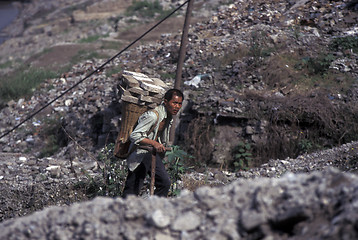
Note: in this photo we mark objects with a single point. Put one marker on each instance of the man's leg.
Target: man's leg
(134, 181)
(162, 179)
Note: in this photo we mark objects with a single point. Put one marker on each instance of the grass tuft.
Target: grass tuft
(23, 83)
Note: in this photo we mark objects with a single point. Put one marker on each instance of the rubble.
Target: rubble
(88, 117)
(317, 205)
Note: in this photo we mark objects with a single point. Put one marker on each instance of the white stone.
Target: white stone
(54, 170)
(68, 102)
(159, 219)
(23, 159)
(186, 222)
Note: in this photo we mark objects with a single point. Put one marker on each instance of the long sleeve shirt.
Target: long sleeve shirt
(145, 123)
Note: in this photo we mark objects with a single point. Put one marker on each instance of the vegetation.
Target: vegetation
(307, 74)
(23, 83)
(6, 64)
(114, 173)
(113, 70)
(92, 39)
(111, 45)
(176, 167)
(84, 55)
(50, 131)
(258, 48)
(318, 65)
(242, 156)
(111, 182)
(345, 43)
(305, 146)
(146, 9)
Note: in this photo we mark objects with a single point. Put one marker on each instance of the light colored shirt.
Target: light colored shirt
(145, 123)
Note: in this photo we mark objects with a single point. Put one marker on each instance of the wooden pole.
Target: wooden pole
(154, 163)
(184, 41)
(152, 175)
(182, 53)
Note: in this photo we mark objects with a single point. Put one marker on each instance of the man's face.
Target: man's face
(173, 106)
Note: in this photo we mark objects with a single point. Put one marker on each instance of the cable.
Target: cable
(93, 72)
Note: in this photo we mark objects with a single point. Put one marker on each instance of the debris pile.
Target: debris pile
(318, 205)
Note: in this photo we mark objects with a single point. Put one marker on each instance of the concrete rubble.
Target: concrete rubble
(319, 205)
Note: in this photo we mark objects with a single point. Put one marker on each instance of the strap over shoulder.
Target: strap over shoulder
(156, 123)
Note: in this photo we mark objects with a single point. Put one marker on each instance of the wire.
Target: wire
(94, 71)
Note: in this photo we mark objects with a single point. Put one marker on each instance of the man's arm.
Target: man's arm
(158, 146)
(139, 135)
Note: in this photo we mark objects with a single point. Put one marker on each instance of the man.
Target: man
(140, 161)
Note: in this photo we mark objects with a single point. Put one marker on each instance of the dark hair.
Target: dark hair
(173, 92)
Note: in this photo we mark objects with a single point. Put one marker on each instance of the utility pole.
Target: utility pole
(184, 42)
(182, 53)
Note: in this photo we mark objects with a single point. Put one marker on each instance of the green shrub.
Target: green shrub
(320, 64)
(167, 75)
(23, 83)
(114, 172)
(305, 146)
(176, 167)
(91, 39)
(316, 65)
(6, 64)
(345, 43)
(145, 9)
(296, 31)
(258, 48)
(51, 132)
(111, 45)
(113, 70)
(111, 182)
(83, 55)
(242, 156)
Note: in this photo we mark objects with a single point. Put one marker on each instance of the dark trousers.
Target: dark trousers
(135, 179)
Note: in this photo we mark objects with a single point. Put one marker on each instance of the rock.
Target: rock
(186, 222)
(269, 208)
(159, 219)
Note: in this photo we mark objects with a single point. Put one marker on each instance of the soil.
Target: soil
(60, 55)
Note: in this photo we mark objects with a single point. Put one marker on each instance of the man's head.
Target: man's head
(173, 100)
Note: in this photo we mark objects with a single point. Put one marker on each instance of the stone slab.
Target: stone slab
(130, 99)
(159, 82)
(150, 99)
(152, 88)
(138, 90)
(136, 74)
(130, 81)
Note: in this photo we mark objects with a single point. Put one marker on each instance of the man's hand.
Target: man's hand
(158, 147)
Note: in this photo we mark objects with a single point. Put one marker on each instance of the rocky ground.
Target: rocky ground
(88, 117)
(319, 205)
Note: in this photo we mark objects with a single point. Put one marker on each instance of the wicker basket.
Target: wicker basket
(130, 115)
